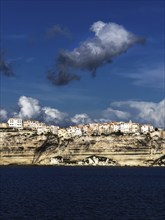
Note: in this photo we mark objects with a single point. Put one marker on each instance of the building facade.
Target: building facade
(15, 123)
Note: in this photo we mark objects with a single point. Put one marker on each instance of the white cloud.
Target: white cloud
(101, 120)
(29, 107)
(3, 115)
(53, 115)
(113, 114)
(137, 111)
(109, 41)
(140, 111)
(81, 119)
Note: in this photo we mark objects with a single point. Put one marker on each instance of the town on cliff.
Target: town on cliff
(94, 129)
(109, 143)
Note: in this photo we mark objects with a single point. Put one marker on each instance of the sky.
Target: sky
(72, 62)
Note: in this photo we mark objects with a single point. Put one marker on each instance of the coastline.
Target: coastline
(117, 149)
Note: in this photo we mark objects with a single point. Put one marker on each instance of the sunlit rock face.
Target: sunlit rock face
(97, 161)
(82, 148)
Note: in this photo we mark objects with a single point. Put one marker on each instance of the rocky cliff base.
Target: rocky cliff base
(26, 147)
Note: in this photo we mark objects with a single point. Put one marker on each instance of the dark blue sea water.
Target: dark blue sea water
(82, 193)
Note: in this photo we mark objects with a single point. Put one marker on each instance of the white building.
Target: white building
(135, 128)
(15, 123)
(34, 125)
(129, 127)
(74, 131)
(115, 126)
(104, 129)
(125, 127)
(85, 129)
(94, 128)
(146, 128)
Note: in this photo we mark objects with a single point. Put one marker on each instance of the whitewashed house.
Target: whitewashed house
(74, 131)
(43, 129)
(94, 128)
(30, 124)
(15, 123)
(85, 130)
(146, 128)
(135, 127)
(115, 126)
(129, 127)
(125, 127)
(34, 125)
(104, 129)
(78, 132)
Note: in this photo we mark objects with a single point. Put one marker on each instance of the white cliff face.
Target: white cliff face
(56, 160)
(97, 161)
(93, 144)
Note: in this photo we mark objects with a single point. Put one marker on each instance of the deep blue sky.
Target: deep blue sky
(136, 75)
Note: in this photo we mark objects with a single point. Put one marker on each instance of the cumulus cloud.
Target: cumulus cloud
(29, 107)
(57, 30)
(3, 115)
(140, 111)
(81, 119)
(5, 67)
(110, 40)
(115, 114)
(137, 111)
(53, 115)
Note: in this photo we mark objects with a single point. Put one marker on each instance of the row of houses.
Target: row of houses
(79, 130)
(40, 127)
(97, 129)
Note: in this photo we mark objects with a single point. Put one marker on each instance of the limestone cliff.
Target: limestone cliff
(28, 147)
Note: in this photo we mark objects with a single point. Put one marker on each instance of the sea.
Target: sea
(82, 193)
